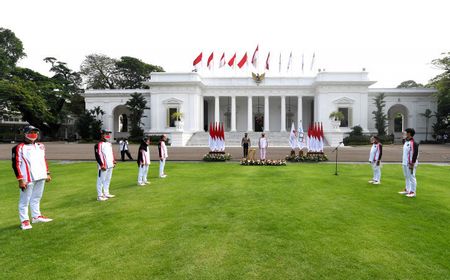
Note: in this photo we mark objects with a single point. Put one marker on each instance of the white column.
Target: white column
(283, 113)
(266, 113)
(299, 110)
(250, 113)
(233, 113)
(216, 109)
(202, 114)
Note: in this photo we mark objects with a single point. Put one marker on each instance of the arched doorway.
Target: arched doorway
(121, 122)
(397, 121)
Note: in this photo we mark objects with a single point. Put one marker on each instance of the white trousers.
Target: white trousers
(103, 180)
(142, 175)
(376, 171)
(32, 197)
(410, 178)
(262, 153)
(162, 163)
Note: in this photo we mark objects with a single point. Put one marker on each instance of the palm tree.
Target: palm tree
(427, 116)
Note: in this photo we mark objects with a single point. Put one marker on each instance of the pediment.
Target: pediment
(172, 101)
(344, 100)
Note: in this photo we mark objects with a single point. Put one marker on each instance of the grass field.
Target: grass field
(224, 221)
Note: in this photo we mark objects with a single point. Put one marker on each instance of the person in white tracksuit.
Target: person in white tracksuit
(143, 161)
(162, 151)
(105, 162)
(376, 152)
(409, 163)
(263, 144)
(31, 170)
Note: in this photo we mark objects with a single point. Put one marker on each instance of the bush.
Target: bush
(365, 139)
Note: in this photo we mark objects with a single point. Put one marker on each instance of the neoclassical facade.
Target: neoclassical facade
(244, 104)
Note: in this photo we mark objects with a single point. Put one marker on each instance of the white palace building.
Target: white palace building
(271, 104)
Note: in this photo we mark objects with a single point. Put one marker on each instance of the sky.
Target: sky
(393, 40)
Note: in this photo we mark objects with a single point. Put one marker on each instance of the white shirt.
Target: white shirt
(105, 155)
(30, 162)
(263, 142)
(374, 153)
(145, 156)
(408, 151)
(163, 150)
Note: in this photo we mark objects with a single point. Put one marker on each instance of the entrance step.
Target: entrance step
(233, 139)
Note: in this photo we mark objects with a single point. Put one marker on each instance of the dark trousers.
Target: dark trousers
(122, 154)
(245, 150)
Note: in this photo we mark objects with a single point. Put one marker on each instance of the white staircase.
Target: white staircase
(233, 139)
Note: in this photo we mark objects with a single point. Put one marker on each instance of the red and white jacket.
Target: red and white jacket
(29, 162)
(104, 155)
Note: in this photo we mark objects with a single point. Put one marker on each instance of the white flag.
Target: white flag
(301, 136)
(293, 137)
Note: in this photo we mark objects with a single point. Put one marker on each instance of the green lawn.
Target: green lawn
(224, 221)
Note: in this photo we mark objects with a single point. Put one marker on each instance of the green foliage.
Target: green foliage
(339, 116)
(133, 72)
(409, 84)
(355, 140)
(11, 50)
(427, 115)
(103, 72)
(442, 83)
(177, 116)
(137, 105)
(379, 116)
(356, 131)
(89, 123)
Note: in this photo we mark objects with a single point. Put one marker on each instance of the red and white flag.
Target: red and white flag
(222, 61)
(243, 61)
(232, 60)
(210, 63)
(255, 57)
(268, 61)
(197, 61)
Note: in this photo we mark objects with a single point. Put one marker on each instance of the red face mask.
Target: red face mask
(108, 137)
(31, 136)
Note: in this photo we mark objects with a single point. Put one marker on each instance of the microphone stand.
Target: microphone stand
(336, 150)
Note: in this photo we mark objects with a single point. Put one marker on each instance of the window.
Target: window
(347, 121)
(123, 123)
(398, 123)
(170, 120)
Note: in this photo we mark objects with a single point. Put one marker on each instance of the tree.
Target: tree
(442, 83)
(428, 115)
(136, 104)
(379, 115)
(409, 84)
(100, 72)
(133, 72)
(11, 50)
(89, 123)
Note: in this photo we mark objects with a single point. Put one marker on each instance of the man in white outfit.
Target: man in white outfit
(409, 163)
(375, 155)
(162, 151)
(31, 170)
(106, 162)
(143, 162)
(263, 144)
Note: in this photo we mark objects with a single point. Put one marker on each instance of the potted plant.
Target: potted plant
(336, 117)
(177, 116)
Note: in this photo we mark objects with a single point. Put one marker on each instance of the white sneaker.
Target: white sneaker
(371, 181)
(41, 219)
(141, 184)
(25, 225)
(109, 195)
(376, 182)
(102, 198)
(411, 194)
(147, 183)
(163, 176)
(403, 192)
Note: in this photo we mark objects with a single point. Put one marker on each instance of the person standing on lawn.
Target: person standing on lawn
(409, 163)
(375, 159)
(162, 150)
(143, 161)
(123, 147)
(31, 170)
(105, 162)
(263, 144)
(245, 143)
